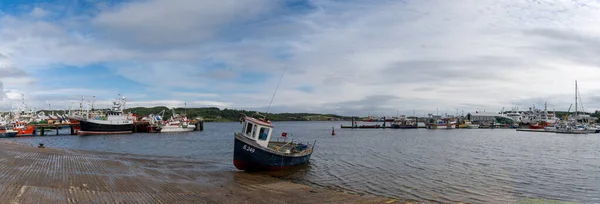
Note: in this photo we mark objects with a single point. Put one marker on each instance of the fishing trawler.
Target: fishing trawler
(254, 151)
(536, 118)
(6, 131)
(23, 128)
(113, 121)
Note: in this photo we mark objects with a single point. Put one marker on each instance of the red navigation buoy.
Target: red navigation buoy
(332, 131)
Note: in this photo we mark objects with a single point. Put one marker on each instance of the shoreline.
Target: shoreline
(56, 175)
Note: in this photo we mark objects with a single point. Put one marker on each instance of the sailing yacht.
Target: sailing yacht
(578, 123)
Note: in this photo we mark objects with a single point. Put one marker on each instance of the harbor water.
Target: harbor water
(459, 165)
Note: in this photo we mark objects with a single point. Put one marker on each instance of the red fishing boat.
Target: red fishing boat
(23, 129)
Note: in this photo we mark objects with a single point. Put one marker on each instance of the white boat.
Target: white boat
(534, 115)
(551, 128)
(177, 123)
(470, 125)
(515, 114)
(177, 126)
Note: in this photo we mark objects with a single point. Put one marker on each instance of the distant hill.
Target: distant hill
(227, 115)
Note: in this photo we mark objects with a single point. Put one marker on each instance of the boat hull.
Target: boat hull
(8, 134)
(28, 130)
(251, 157)
(444, 126)
(472, 126)
(91, 128)
(178, 129)
(403, 126)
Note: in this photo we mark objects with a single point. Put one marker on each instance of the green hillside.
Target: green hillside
(225, 115)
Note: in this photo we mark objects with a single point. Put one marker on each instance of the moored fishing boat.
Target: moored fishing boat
(470, 125)
(6, 131)
(177, 123)
(444, 125)
(538, 125)
(113, 121)
(177, 126)
(403, 123)
(254, 151)
(23, 129)
(9, 133)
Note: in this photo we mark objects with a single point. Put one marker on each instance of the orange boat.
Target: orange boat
(23, 129)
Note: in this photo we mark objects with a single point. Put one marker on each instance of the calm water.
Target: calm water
(476, 166)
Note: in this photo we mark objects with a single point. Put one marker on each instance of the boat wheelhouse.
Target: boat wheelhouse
(254, 151)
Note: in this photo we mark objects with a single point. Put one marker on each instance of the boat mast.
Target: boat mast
(576, 111)
(275, 92)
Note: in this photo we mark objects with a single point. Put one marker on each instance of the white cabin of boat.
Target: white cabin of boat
(257, 130)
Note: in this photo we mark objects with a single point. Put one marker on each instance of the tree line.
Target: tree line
(227, 115)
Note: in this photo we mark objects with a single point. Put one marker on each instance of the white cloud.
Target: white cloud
(38, 12)
(2, 92)
(356, 57)
(167, 23)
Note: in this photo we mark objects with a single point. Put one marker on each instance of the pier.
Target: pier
(534, 130)
(42, 127)
(48, 175)
(138, 127)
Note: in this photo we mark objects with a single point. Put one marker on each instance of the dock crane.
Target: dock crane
(568, 111)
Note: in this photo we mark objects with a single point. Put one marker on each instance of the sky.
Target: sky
(344, 57)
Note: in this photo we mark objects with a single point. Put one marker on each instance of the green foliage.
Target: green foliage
(226, 115)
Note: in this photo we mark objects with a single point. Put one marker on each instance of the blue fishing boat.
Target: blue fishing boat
(8, 133)
(253, 150)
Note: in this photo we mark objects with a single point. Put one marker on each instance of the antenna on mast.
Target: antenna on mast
(276, 88)
(93, 100)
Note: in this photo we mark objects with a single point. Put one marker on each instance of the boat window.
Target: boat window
(254, 131)
(264, 132)
(248, 128)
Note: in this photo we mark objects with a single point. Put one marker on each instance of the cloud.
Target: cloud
(345, 57)
(2, 92)
(577, 46)
(165, 23)
(7, 72)
(38, 12)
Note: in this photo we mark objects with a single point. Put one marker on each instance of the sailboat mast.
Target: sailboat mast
(576, 111)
